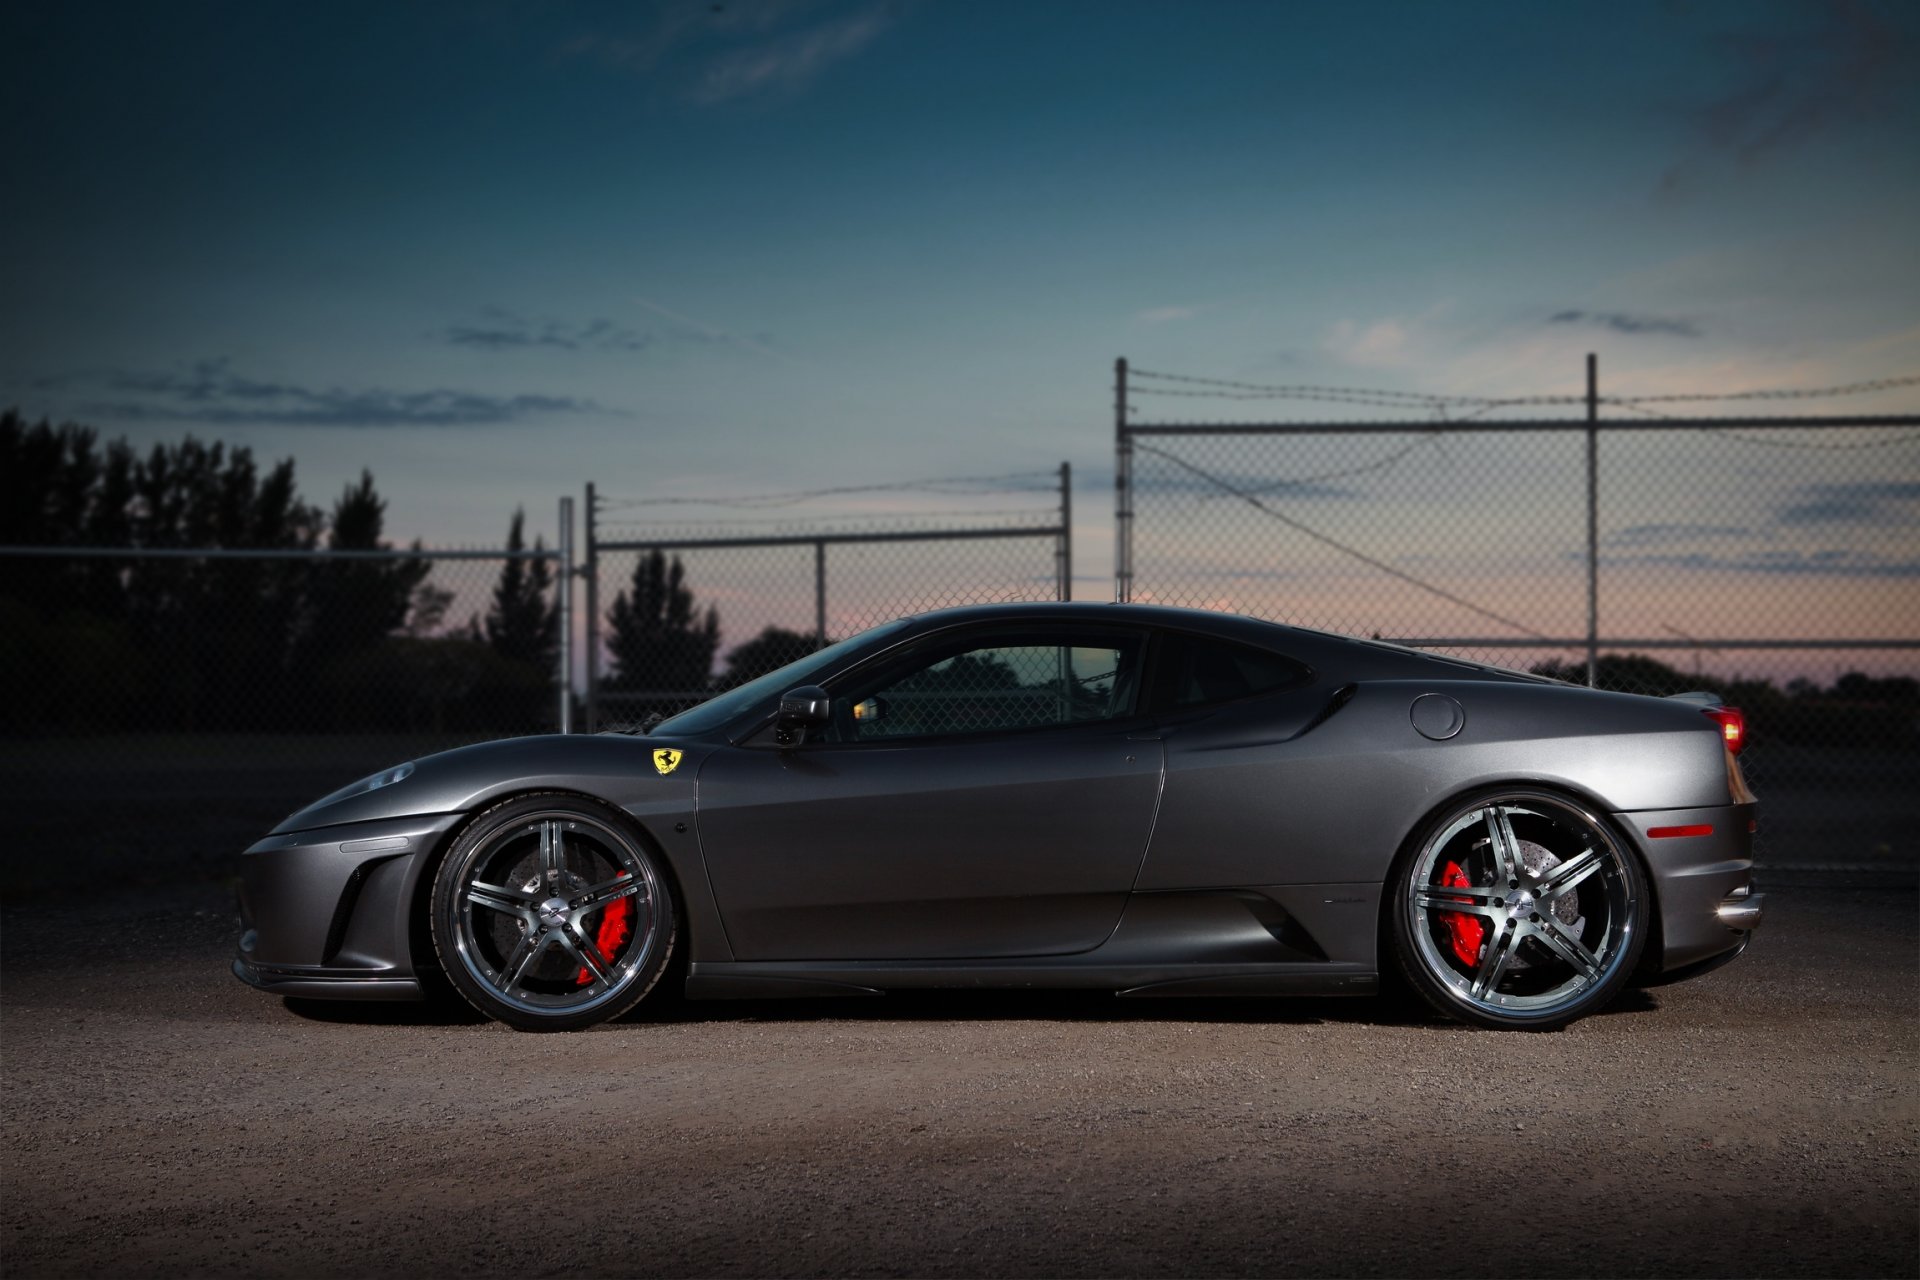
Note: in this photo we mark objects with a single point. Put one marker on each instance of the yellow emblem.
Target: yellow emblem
(666, 759)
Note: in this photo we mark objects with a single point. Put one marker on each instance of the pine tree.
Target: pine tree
(354, 604)
(523, 625)
(655, 637)
(772, 649)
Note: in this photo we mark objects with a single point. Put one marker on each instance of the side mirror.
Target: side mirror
(801, 709)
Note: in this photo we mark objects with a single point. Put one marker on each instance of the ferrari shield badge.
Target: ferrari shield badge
(666, 759)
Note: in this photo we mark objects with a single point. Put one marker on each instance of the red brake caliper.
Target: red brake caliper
(616, 924)
(1467, 931)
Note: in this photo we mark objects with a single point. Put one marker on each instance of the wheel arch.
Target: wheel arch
(426, 963)
(1584, 797)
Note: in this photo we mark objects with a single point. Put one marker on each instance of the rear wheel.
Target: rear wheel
(1519, 909)
(548, 914)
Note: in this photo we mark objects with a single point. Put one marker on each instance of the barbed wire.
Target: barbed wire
(1229, 389)
(1253, 500)
(1778, 393)
(942, 485)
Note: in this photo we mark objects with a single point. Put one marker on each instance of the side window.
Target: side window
(1196, 671)
(1005, 684)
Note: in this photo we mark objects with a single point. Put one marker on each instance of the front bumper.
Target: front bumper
(1701, 862)
(324, 984)
(328, 913)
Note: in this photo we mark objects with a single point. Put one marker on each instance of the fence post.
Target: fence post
(1593, 520)
(1122, 488)
(1066, 531)
(820, 592)
(565, 601)
(593, 617)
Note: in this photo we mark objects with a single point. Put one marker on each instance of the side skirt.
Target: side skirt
(773, 980)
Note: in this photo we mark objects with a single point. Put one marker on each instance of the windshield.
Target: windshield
(718, 710)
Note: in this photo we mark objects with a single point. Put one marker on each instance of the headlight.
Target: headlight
(385, 778)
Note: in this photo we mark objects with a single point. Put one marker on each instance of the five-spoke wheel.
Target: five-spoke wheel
(548, 914)
(1519, 909)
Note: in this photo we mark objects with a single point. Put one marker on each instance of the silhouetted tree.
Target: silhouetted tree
(523, 625)
(772, 649)
(655, 637)
(352, 605)
(1630, 673)
(204, 642)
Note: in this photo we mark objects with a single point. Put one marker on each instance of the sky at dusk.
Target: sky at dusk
(493, 250)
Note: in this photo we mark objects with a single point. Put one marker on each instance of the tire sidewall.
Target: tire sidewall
(1438, 994)
(443, 911)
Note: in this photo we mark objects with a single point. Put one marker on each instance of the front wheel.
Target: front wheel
(548, 914)
(1519, 909)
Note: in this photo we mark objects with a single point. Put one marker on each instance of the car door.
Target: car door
(986, 794)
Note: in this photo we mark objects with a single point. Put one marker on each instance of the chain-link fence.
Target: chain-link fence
(1773, 560)
(683, 602)
(150, 697)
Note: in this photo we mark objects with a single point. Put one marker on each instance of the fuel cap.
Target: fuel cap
(1437, 716)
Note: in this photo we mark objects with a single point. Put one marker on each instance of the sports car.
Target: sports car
(1126, 798)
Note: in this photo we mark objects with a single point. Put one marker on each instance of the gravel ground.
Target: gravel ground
(162, 1119)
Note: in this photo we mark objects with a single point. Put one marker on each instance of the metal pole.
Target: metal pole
(1593, 520)
(1066, 531)
(564, 593)
(593, 617)
(820, 592)
(1122, 488)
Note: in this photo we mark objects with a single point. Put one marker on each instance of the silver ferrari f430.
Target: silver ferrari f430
(1124, 798)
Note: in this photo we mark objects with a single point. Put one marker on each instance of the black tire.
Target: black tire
(1518, 909)
(550, 913)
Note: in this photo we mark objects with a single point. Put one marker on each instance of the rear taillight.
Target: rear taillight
(1733, 726)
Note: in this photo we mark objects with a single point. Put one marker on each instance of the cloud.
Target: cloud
(1877, 502)
(503, 331)
(671, 24)
(736, 50)
(1833, 561)
(689, 328)
(1651, 535)
(209, 392)
(1798, 85)
(790, 62)
(1626, 322)
(1382, 343)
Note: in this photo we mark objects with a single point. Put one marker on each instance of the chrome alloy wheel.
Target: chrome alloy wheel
(1520, 909)
(554, 916)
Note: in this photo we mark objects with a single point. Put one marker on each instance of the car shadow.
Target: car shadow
(1394, 1009)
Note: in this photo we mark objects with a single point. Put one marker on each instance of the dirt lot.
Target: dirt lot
(162, 1119)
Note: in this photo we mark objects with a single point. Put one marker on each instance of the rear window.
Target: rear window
(1196, 671)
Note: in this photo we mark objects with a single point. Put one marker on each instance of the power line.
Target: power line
(1253, 501)
(1425, 438)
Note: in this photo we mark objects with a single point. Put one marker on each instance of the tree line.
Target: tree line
(270, 644)
(368, 645)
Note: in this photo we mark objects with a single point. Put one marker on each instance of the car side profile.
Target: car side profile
(1128, 798)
